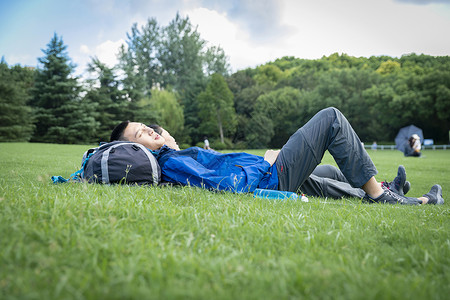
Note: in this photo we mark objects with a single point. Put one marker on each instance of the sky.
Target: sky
(251, 32)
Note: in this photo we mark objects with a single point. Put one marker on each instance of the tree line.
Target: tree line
(170, 76)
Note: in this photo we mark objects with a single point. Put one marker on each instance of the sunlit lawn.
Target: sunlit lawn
(80, 241)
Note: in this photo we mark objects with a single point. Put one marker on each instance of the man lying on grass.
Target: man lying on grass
(318, 183)
(288, 169)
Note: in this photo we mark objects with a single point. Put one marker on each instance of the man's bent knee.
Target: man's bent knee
(332, 111)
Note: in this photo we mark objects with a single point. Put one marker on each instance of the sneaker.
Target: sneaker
(391, 197)
(399, 182)
(435, 195)
(406, 187)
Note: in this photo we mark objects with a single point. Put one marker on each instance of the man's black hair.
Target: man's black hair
(117, 133)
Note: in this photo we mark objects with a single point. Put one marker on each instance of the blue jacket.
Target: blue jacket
(234, 172)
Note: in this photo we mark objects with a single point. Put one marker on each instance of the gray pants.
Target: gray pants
(328, 181)
(303, 152)
(410, 152)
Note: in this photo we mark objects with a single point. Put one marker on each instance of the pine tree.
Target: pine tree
(61, 117)
(181, 57)
(15, 116)
(106, 95)
(132, 83)
(172, 58)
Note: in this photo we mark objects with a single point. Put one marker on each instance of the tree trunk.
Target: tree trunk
(219, 122)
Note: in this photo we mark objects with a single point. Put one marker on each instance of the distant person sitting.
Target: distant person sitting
(206, 146)
(414, 146)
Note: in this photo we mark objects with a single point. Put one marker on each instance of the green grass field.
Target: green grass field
(80, 241)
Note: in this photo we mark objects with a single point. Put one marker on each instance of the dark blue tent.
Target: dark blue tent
(401, 140)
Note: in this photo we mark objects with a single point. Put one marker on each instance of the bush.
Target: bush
(200, 144)
(184, 146)
(218, 145)
(241, 145)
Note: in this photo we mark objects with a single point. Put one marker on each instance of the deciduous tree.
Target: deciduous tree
(217, 111)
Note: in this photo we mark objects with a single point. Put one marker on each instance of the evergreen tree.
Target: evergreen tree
(133, 83)
(60, 115)
(216, 61)
(181, 57)
(172, 58)
(141, 60)
(15, 116)
(108, 98)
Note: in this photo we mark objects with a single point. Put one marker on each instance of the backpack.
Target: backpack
(120, 162)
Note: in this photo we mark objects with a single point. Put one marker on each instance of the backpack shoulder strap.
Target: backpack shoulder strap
(153, 163)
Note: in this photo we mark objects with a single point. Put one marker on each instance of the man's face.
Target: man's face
(139, 133)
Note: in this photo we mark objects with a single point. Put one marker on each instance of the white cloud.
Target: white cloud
(422, 2)
(107, 52)
(322, 27)
(84, 49)
(361, 28)
(20, 59)
(260, 19)
(252, 35)
(251, 32)
(218, 30)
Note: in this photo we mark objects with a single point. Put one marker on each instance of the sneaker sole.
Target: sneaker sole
(440, 199)
(437, 194)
